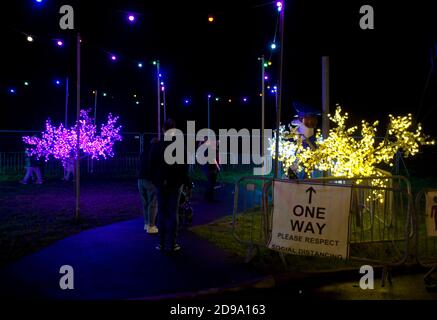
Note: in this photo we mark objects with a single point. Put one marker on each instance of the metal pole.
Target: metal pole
(165, 105)
(278, 113)
(159, 99)
(78, 131)
(209, 122)
(66, 102)
(95, 107)
(325, 96)
(263, 91)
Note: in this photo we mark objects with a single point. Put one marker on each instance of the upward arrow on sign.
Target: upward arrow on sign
(310, 190)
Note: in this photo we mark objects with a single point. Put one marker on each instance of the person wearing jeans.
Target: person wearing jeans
(149, 200)
(168, 202)
(148, 191)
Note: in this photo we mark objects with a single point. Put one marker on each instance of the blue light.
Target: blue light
(186, 101)
(39, 1)
(12, 90)
(279, 5)
(244, 99)
(140, 65)
(57, 82)
(273, 46)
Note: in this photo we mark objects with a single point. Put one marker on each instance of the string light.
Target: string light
(113, 58)
(131, 18)
(140, 65)
(279, 6)
(273, 46)
(26, 83)
(59, 43)
(210, 19)
(29, 39)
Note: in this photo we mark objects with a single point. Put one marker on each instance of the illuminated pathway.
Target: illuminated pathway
(119, 261)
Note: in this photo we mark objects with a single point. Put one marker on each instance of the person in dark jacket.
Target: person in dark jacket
(169, 180)
(148, 191)
(32, 167)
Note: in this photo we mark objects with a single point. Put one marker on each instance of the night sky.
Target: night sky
(373, 72)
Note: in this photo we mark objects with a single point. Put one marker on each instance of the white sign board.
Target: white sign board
(431, 214)
(311, 220)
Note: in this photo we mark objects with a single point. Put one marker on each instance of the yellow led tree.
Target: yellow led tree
(343, 155)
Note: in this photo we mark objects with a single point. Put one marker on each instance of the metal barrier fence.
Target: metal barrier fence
(13, 163)
(379, 232)
(425, 246)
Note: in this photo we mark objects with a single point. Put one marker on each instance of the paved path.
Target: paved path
(119, 261)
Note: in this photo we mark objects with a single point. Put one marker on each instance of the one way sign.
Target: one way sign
(311, 219)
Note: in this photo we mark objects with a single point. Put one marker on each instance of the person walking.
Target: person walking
(32, 167)
(148, 192)
(169, 180)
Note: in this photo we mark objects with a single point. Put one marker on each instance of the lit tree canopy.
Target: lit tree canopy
(61, 143)
(345, 156)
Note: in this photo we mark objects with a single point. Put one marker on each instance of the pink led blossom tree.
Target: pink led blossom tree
(61, 143)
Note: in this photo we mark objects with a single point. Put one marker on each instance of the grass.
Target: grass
(226, 175)
(34, 216)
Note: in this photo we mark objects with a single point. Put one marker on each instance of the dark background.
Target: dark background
(373, 72)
